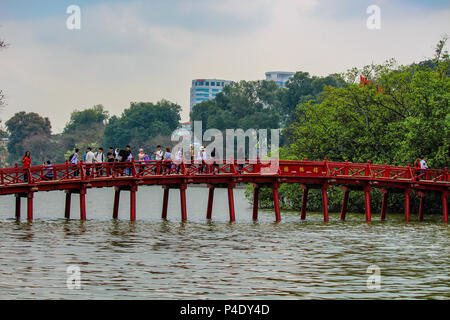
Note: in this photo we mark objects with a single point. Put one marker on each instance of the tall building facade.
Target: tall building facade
(206, 89)
(280, 77)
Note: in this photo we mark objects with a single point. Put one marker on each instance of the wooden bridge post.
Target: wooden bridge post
(324, 189)
(384, 203)
(231, 202)
(367, 190)
(165, 202)
(183, 202)
(18, 202)
(445, 206)
(407, 192)
(422, 196)
(116, 202)
(255, 201)
(83, 204)
(276, 202)
(133, 190)
(67, 206)
(30, 196)
(344, 202)
(210, 201)
(304, 202)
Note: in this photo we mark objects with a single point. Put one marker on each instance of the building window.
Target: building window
(222, 84)
(207, 83)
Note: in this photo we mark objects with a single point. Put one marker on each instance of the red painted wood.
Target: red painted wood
(165, 203)
(367, 203)
(304, 202)
(30, 206)
(18, 202)
(67, 206)
(116, 203)
(183, 202)
(344, 203)
(210, 203)
(384, 204)
(231, 204)
(445, 206)
(325, 203)
(276, 203)
(255, 201)
(422, 199)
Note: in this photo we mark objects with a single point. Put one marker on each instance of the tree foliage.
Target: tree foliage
(141, 122)
(25, 129)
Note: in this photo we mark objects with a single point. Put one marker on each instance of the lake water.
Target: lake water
(200, 259)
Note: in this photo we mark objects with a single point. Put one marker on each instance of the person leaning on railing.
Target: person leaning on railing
(424, 168)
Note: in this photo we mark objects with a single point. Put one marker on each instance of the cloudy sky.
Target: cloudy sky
(148, 50)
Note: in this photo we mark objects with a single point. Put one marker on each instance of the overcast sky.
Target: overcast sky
(148, 50)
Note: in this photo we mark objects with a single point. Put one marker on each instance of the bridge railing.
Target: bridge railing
(67, 172)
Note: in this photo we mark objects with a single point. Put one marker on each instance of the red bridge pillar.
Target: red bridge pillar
(344, 202)
(384, 204)
(445, 205)
(183, 202)
(304, 202)
(133, 190)
(422, 196)
(67, 206)
(324, 189)
(30, 196)
(276, 201)
(231, 202)
(18, 200)
(407, 192)
(367, 190)
(83, 204)
(116, 202)
(255, 201)
(210, 202)
(165, 202)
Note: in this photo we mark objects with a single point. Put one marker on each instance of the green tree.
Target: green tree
(26, 129)
(142, 122)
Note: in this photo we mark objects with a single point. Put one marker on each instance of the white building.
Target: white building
(205, 89)
(280, 77)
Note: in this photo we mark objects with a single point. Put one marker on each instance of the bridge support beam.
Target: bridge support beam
(231, 202)
(133, 190)
(276, 202)
(116, 202)
(183, 202)
(255, 201)
(324, 189)
(165, 202)
(367, 190)
(344, 202)
(210, 202)
(83, 204)
(67, 205)
(407, 192)
(304, 202)
(30, 196)
(421, 204)
(384, 204)
(445, 194)
(18, 200)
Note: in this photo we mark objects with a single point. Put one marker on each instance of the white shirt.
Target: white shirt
(74, 158)
(178, 155)
(90, 157)
(99, 157)
(159, 155)
(203, 155)
(423, 164)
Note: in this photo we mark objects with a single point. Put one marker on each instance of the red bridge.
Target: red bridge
(309, 174)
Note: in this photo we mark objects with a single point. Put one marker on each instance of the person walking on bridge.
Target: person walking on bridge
(424, 167)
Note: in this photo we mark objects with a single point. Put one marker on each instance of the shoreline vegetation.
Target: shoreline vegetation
(382, 113)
